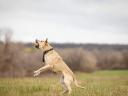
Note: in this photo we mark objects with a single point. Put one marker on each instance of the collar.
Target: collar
(44, 53)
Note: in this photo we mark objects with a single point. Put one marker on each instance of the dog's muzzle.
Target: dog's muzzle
(37, 45)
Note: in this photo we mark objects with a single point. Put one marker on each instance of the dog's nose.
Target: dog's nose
(37, 45)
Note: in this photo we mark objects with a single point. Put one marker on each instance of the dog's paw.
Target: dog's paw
(36, 73)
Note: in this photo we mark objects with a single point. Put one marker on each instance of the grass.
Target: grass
(100, 83)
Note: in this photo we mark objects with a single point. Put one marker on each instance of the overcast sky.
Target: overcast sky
(77, 21)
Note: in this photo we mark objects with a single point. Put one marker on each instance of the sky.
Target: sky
(66, 21)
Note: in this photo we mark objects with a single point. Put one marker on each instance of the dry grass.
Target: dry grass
(102, 83)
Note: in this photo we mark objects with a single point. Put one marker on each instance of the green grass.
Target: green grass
(100, 83)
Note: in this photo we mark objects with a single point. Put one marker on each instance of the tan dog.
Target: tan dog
(54, 62)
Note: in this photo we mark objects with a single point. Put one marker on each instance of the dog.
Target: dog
(54, 62)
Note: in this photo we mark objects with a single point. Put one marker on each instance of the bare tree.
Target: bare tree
(6, 55)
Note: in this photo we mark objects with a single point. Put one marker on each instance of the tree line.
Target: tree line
(21, 59)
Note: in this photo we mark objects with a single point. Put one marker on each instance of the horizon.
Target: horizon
(73, 43)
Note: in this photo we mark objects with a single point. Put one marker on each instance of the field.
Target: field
(100, 83)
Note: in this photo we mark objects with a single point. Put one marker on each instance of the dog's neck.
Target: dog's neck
(48, 49)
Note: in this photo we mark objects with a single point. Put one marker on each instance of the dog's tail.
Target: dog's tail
(77, 85)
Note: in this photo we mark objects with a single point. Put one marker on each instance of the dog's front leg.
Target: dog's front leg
(46, 67)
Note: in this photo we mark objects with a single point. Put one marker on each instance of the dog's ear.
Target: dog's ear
(36, 41)
(46, 41)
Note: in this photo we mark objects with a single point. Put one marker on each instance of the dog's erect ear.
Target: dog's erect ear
(36, 41)
(46, 41)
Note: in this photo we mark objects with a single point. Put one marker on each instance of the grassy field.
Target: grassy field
(101, 83)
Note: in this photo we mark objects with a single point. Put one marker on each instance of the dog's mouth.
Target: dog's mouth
(37, 46)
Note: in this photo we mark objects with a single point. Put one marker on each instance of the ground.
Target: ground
(100, 83)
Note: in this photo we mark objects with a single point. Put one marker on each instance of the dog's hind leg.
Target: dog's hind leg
(63, 85)
(67, 82)
(68, 85)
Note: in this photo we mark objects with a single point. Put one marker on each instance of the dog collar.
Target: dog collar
(45, 52)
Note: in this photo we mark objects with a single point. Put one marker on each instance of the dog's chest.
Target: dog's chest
(51, 58)
(48, 59)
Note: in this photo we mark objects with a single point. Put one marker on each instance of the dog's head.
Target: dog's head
(41, 44)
